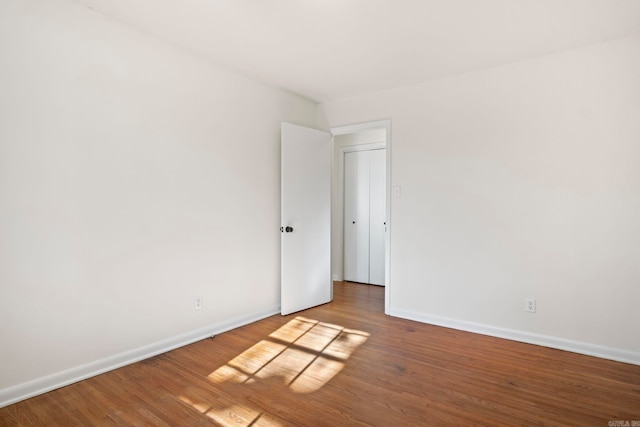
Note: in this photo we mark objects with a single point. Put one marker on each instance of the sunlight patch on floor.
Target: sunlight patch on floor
(234, 415)
(302, 355)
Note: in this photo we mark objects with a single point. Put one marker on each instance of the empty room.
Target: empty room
(320, 212)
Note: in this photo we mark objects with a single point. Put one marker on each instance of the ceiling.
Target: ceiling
(332, 49)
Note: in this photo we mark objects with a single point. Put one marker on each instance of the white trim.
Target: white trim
(387, 261)
(45, 384)
(345, 129)
(354, 128)
(362, 147)
(526, 337)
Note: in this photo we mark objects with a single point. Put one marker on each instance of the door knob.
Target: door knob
(288, 229)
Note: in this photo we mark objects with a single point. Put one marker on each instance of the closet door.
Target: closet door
(377, 215)
(365, 216)
(356, 216)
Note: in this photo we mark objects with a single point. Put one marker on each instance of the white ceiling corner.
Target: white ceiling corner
(332, 49)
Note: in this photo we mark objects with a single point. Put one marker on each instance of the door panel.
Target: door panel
(356, 217)
(362, 217)
(377, 215)
(350, 216)
(306, 210)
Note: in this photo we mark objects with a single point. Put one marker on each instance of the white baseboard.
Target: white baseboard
(522, 336)
(42, 385)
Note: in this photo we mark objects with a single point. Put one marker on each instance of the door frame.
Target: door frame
(355, 128)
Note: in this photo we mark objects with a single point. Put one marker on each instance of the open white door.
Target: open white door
(305, 218)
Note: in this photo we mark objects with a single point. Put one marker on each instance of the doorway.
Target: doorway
(347, 142)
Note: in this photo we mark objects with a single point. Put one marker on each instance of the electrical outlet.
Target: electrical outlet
(530, 305)
(197, 304)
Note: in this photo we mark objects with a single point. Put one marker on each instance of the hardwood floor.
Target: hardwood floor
(346, 363)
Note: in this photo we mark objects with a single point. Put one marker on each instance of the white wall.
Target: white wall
(368, 136)
(519, 181)
(133, 177)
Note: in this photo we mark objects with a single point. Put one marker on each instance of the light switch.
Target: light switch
(396, 191)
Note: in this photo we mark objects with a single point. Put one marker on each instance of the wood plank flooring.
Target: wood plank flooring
(346, 363)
